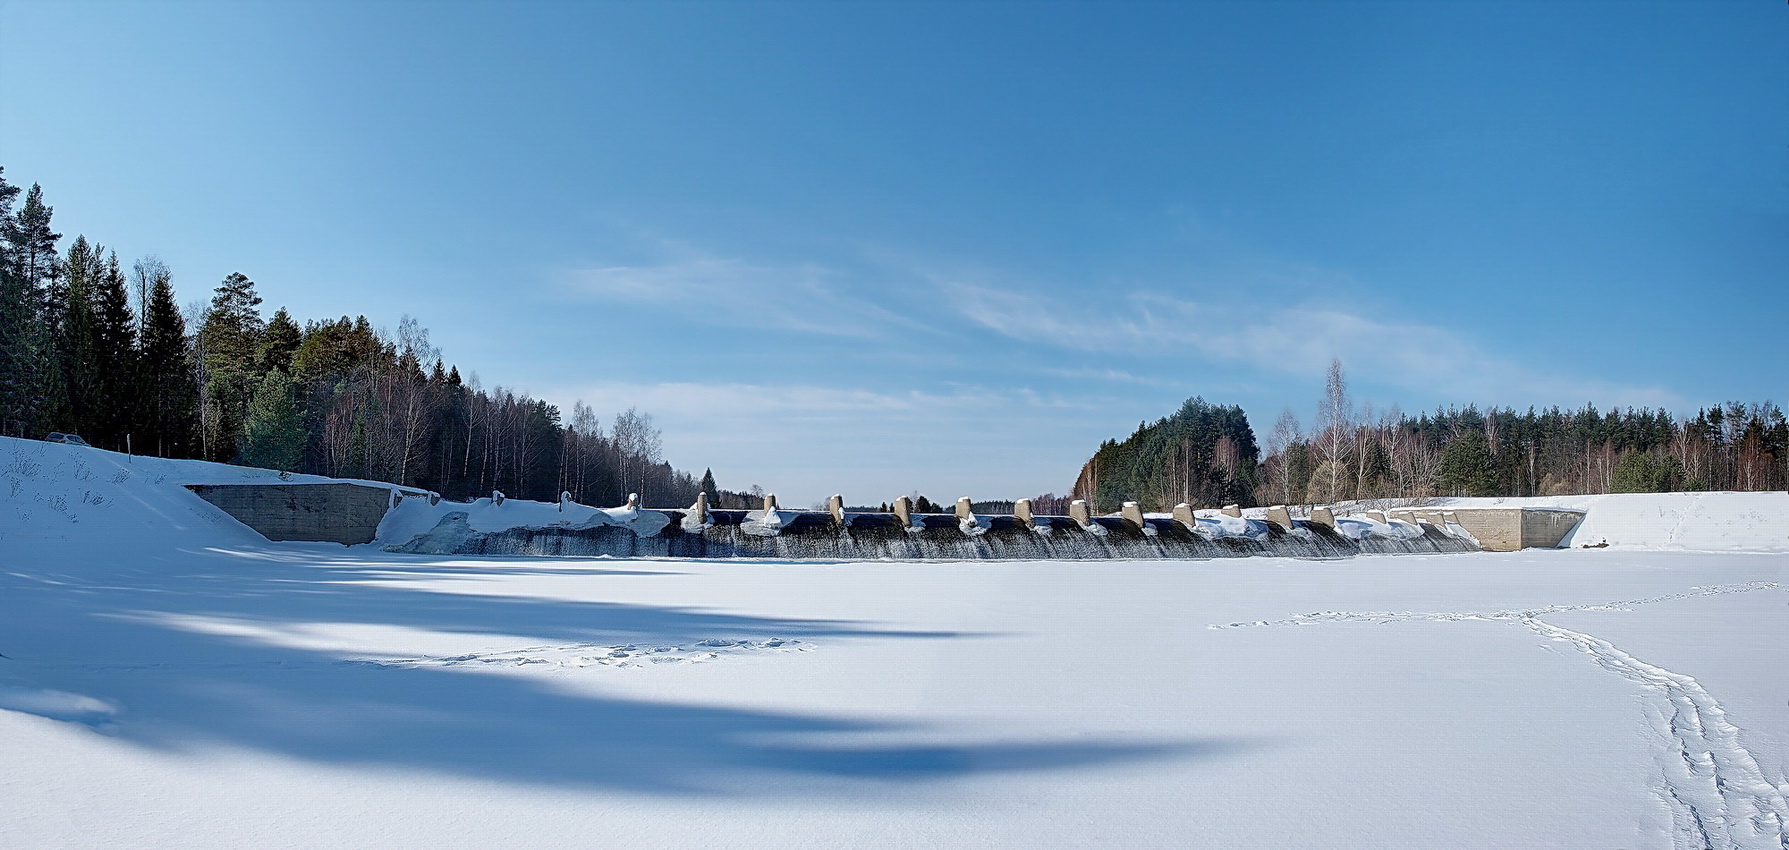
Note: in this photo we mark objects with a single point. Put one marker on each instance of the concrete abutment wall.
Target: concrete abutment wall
(331, 513)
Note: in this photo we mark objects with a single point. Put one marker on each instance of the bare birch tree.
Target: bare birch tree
(1336, 418)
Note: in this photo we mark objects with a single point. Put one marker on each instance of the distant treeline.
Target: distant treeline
(1203, 455)
(1206, 456)
(88, 348)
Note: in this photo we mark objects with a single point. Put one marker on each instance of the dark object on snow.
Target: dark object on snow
(70, 439)
(1600, 544)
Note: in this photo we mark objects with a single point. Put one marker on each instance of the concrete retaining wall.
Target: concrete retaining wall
(1508, 529)
(1546, 527)
(332, 513)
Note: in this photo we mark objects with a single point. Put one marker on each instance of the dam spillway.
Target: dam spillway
(419, 522)
(699, 532)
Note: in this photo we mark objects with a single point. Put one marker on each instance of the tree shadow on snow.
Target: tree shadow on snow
(169, 639)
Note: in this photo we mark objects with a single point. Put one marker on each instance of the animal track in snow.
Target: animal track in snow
(1718, 796)
(600, 655)
(1511, 616)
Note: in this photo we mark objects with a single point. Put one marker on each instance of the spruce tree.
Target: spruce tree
(1644, 472)
(115, 356)
(72, 402)
(171, 394)
(714, 495)
(1299, 468)
(279, 342)
(1466, 466)
(273, 431)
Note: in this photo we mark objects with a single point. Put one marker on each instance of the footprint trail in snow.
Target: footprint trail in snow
(1719, 797)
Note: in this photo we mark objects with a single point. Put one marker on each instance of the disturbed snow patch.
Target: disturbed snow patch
(599, 655)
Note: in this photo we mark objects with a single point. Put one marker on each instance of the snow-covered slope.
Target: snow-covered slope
(86, 496)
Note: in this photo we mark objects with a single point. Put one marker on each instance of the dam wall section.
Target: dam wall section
(332, 513)
(351, 513)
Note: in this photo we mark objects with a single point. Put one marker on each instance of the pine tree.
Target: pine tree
(229, 342)
(27, 370)
(8, 193)
(143, 274)
(273, 432)
(34, 256)
(714, 495)
(18, 323)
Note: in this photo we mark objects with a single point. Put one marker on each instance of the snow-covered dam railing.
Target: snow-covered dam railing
(838, 534)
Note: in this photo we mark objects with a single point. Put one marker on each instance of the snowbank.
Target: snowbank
(1695, 522)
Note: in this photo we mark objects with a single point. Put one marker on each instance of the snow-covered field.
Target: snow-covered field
(172, 680)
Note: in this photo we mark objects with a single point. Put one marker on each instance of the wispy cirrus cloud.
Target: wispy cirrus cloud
(1294, 338)
(800, 297)
(1110, 375)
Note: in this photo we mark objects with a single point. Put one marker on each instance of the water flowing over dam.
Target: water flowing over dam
(836, 534)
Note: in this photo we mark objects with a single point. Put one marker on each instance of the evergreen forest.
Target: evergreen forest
(91, 348)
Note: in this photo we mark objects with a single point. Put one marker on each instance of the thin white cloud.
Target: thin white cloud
(1117, 376)
(806, 297)
(1291, 339)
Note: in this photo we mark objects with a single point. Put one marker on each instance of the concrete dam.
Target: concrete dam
(818, 535)
(402, 520)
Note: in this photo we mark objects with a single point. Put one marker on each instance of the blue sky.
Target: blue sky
(948, 247)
